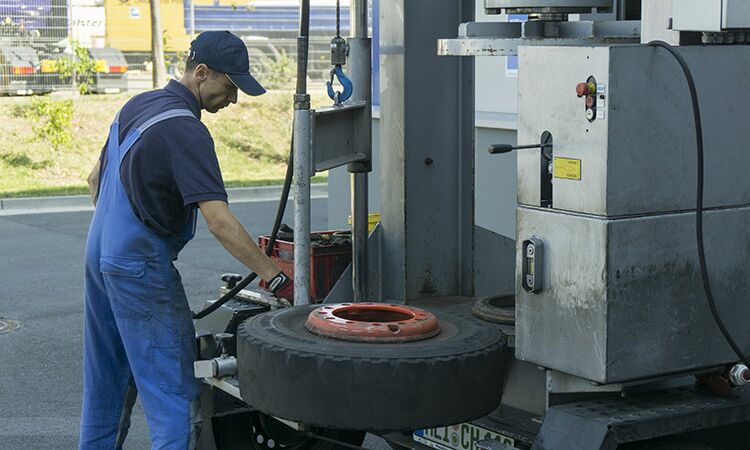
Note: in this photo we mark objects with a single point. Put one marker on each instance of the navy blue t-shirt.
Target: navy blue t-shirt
(173, 165)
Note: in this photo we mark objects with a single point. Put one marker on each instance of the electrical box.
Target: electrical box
(710, 15)
(617, 294)
(625, 145)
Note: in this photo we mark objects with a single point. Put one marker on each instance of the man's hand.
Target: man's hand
(282, 286)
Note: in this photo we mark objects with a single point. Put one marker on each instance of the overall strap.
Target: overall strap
(113, 143)
(134, 135)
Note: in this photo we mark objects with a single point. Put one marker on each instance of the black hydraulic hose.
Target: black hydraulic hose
(269, 248)
(699, 203)
(302, 46)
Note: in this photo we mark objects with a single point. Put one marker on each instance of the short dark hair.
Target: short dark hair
(191, 64)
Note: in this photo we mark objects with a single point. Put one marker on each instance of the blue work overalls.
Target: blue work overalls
(138, 328)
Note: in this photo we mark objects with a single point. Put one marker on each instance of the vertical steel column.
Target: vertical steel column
(360, 62)
(427, 156)
(358, 22)
(360, 222)
(302, 164)
(465, 195)
(302, 174)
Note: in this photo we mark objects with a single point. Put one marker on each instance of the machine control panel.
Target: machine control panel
(594, 97)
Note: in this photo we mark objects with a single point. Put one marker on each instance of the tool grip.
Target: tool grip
(496, 149)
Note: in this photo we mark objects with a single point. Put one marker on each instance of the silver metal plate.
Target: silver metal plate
(623, 299)
(547, 3)
(500, 39)
(339, 135)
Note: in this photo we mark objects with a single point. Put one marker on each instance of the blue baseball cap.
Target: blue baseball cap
(224, 52)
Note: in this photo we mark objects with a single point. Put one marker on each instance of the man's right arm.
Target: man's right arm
(235, 238)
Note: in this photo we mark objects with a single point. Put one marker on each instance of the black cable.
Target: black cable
(699, 201)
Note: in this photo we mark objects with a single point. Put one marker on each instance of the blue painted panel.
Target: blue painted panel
(511, 62)
(264, 18)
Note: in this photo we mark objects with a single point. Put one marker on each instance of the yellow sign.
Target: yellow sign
(567, 168)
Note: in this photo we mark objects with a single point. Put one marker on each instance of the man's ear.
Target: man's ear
(201, 72)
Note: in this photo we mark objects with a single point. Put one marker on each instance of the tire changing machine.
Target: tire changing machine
(614, 343)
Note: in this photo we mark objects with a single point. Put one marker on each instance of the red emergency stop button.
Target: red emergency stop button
(585, 89)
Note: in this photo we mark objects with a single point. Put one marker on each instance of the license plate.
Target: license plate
(458, 437)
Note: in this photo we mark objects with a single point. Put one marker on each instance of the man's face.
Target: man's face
(217, 91)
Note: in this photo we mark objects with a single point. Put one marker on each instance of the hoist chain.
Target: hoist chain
(338, 18)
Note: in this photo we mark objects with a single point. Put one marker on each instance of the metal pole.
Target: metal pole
(358, 19)
(361, 75)
(302, 162)
(69, 11)
(192, 19)
(302, 165)
(360, 285)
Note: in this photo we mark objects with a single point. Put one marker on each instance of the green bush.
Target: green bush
(280, 72)
(80, 64)
(52, 120)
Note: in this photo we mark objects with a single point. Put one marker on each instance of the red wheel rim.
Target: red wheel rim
(372, 322)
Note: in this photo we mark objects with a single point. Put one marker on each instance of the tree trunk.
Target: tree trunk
(159, 69)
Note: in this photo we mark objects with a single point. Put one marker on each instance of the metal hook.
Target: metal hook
(345, 82)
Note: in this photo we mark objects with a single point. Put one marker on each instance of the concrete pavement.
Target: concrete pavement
(41, 285)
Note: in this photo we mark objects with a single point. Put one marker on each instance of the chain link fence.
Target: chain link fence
(105, 45)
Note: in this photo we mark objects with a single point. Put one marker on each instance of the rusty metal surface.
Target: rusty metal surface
(372, 322)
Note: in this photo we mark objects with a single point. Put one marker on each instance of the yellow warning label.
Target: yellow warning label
(567, 168)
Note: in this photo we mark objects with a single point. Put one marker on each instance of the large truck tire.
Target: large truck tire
(288, 372)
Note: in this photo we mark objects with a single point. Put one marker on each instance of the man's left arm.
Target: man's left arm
(93, 181)
(93, 178)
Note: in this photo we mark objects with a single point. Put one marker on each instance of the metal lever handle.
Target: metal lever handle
(496, 149)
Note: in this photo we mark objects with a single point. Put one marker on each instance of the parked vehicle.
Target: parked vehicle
(109, 76)
(268, 27)
(19, 71)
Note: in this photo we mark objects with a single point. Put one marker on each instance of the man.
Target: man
(158, 165)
